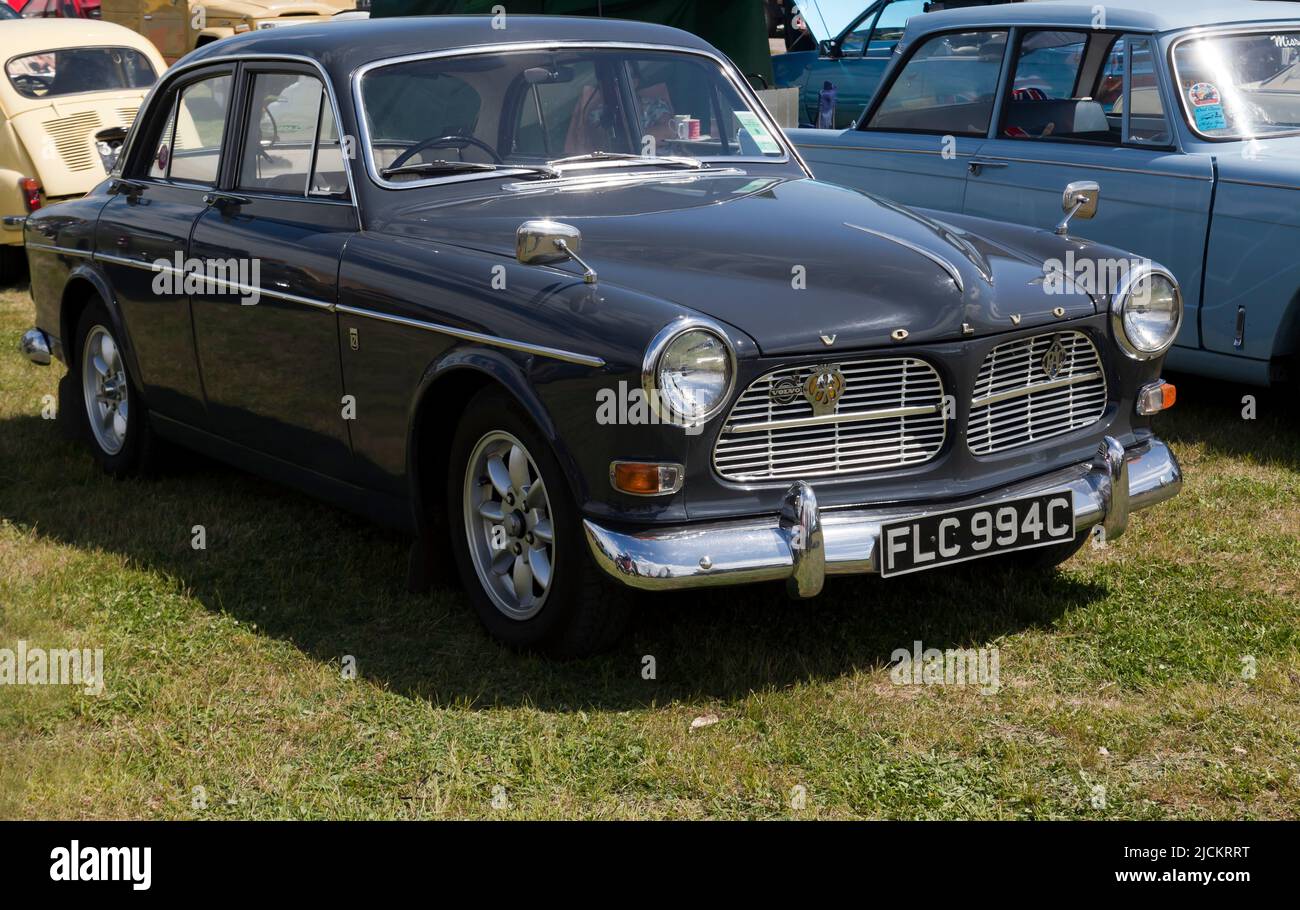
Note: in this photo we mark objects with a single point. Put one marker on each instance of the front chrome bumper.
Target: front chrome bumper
(845, 541)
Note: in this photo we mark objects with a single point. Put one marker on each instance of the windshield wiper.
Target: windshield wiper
(663, 161)
(451, 167)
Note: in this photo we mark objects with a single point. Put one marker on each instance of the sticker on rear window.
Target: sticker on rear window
(1210, 117)
(1204, 93)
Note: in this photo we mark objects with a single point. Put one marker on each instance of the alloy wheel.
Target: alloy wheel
(508, 525)
(104, 388)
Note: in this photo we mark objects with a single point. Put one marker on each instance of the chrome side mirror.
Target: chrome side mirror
(549, 242)
(1078, 201)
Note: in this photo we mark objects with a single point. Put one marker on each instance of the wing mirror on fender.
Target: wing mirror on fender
(1078, 201)
(548, 242)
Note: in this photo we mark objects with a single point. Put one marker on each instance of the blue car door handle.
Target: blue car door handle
(978, 164)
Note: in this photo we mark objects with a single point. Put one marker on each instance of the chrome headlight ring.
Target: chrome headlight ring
(1120, 300)
(650, 364)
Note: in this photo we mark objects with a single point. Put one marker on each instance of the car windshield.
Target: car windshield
(79, 69)
(557, 110)
(1241, 85)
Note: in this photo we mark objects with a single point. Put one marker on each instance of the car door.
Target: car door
(929, 121)
(270, 243)
(1092, 106)
(144, 230)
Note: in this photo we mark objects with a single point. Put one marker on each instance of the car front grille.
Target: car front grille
(71, 138)
(127, 115)
(889, 414)
(1033, 389)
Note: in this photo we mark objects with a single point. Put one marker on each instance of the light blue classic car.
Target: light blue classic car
(855, 41)
(1186, 115)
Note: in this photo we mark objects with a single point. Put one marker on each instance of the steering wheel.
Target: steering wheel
(453, 141)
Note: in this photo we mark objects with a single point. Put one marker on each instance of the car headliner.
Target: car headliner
(341, 47)
(1154, 16)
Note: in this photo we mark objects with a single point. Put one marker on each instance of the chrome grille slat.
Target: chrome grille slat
(864, 433)
(1016, 403)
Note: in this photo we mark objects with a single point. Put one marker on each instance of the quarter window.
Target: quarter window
(947, 86)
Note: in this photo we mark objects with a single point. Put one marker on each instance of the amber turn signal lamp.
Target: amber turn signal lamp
(1156, 397)
(642, 478)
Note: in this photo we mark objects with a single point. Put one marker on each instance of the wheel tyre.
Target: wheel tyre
(134, 453)
(581, 613)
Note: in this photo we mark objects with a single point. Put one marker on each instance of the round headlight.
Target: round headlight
(1146, 313)
(689, 371)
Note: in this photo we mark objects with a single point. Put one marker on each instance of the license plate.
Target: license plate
(944, 538)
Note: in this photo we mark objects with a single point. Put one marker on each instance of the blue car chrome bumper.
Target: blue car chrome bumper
(845, 541)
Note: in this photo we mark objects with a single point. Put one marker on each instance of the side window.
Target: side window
(280, 132)
(1147, 124)
(1051, 97)
(196, 139)
(1047, 64)
(947, 86)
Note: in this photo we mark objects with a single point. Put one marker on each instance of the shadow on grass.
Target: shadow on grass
(333, 585)
(1212, 413)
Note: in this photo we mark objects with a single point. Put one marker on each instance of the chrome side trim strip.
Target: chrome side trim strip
(917, 248)
(244, 290)
(64, 250)
(466, 335)
(128, 261)
(1020, 391)
(1098, 167)
(1260, 183)
(852, 417)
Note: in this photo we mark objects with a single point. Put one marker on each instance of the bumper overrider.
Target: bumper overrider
(804, 544)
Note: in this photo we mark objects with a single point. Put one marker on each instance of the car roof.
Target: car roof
(1149, 16)
(343, 46)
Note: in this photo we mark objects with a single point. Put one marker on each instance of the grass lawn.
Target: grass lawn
(1124, 689)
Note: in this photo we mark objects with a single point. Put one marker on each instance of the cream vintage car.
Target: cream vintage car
(176, 27)
(70, 91)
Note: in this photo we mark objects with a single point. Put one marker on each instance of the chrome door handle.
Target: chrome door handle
(222, 201)
(977, 165)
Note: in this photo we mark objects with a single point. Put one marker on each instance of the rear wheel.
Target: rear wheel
(115, 422)
(518, 538)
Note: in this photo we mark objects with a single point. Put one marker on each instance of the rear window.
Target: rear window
(79, 69)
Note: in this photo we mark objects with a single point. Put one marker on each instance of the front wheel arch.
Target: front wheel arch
(436, 409)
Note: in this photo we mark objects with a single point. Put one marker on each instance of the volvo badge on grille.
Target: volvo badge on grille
(783, 391)
(823, 388)
(1054, 358)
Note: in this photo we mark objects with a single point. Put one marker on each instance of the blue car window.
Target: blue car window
(1240, 85)
(1148, 124)
(947, 86)
(1048, 97)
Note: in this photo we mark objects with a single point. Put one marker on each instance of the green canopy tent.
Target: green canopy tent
(736, 27)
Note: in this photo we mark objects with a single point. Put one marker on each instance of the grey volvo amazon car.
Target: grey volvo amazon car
(563, 302)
